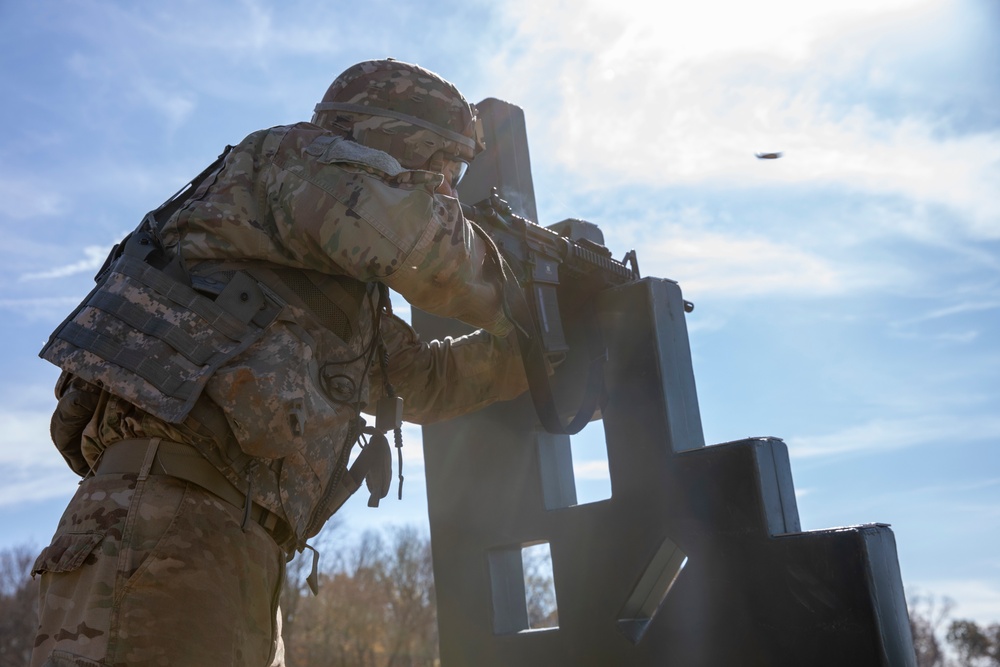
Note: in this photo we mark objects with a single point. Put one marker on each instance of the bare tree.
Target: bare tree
(18, 606)
(296, 588)
(408, 581)
(540, 593)
(976, 646)
(928, 616)
(375, 606)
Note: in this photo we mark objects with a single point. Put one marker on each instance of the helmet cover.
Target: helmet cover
(402, 109)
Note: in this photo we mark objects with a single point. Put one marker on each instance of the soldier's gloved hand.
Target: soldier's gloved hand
(77, 404)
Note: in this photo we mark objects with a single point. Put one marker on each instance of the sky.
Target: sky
(847, 294)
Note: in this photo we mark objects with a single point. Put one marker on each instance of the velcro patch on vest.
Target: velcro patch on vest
(155, 341)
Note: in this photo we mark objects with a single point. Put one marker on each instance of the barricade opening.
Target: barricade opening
(590, 464)
(651, 590)
(539, 587)
(574, 469)
(523, 590)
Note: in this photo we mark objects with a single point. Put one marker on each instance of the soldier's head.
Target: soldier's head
(409, 112)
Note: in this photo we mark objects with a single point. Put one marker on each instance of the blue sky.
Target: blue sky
(848, 294)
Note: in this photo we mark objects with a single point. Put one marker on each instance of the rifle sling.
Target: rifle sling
(533, 357)
(535, 368)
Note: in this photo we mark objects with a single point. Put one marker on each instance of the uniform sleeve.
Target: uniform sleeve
(374, 225)
(446, 378)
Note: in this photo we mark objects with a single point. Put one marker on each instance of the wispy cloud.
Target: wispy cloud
(961, 322)
(881, 435)
(710, 263)
(35, 484)
(960, 337)
(957, 309)
(94, 257)
(25, 439)
(43, 308)
(34, 470)
(977, 599)
(413, 450)
(24, 199)
(958, 497)
(591, 470)
(711, 254)
(260, 29)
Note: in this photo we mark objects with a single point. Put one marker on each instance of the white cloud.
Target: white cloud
(94, 257)
(34, 469)
(45, 308)
(976, 599)
(682, 31)
(24, 199)
(248, 30)
(684, 94)
(136, 85)
(881, 435)
(39, 484)
(401, 307)
(961, 308)
(709, 263)
(960, 337)
(25, 439)
(413, 450)
(707, 256)
(591, 470)
(174, 106)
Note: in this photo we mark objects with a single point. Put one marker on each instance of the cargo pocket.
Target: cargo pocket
(66, 553)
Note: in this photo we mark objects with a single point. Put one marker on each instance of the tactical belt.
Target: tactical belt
(185, 462)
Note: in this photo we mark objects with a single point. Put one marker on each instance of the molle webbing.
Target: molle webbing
(141, 324)
(333, 300)
(195, 188)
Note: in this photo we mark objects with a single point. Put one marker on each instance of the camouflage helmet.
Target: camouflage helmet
(402, 109)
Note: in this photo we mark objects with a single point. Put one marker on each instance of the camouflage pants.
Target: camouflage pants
(156, 572)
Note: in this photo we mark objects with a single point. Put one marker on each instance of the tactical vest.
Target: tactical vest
(154, 334)
(155, 341)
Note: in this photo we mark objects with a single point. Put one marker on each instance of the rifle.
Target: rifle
(553, 275)
(543, 259)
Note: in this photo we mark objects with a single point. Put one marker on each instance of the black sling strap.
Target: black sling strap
(529, 343)
(179, 198)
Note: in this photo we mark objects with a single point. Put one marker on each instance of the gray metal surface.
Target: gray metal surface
(696, 558)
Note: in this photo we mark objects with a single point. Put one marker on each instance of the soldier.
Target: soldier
(213, 381)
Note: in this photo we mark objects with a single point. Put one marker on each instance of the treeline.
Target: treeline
(18, 606)
(942, 641)
(375, 604)
(376, 608)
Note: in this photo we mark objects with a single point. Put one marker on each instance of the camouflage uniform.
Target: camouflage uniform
(146, 568)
